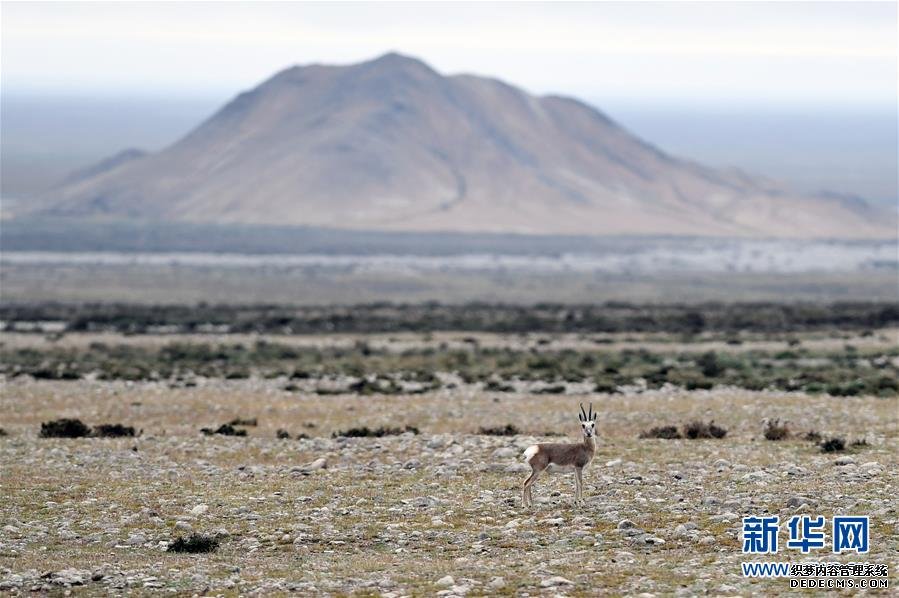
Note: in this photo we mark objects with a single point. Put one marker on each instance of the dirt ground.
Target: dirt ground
(434, 513)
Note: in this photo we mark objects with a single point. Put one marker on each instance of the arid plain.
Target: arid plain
(433, 505)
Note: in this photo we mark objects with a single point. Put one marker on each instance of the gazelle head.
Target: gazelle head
(588, 421)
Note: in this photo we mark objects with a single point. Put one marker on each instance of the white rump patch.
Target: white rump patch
(530, 452)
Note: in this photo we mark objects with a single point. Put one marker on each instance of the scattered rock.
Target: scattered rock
(505, 452)
(318, 464)
(554, 581)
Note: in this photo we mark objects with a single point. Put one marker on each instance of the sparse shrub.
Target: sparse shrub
(849, 389)
(775, 431)
(709, 364)
(663, 432)
(283, 434)
(834, 445)
(3, 432)
(497, 386)
(698, 429)
(329, 391)
(196, 543)
(605, 386)
(698, 384)
(887, 383)
(65, 428)
(237, 421)
(812, 436)
(555, 389)
(366, 432)
(113, 431)
(507, 430)
(224, 430)
(859, 443)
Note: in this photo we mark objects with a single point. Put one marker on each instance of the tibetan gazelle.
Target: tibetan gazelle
(576, 456)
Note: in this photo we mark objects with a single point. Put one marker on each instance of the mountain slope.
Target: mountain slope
(390, 144)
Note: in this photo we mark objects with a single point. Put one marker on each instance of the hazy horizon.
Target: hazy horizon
(48, 138)
(800, 92)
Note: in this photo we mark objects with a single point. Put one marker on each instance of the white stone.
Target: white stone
(446, 580)
(320, 463)
(556, 580)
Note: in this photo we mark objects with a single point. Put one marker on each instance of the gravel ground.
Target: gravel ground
(436, 513)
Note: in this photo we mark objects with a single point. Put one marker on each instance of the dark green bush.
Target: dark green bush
(833, 445)
(65, 428)
(366, 432)
(113, 431)
(224, 430)
(507, 430)
(663, 432)
(698, 429)
(775, 431)
(196, 543)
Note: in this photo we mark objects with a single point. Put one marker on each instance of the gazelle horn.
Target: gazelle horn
(583, 415)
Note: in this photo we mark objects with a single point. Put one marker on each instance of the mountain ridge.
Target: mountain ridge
(391, 144)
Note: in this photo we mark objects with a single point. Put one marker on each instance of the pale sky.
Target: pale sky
(825, 54)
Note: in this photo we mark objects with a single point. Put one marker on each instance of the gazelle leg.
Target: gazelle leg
(527, 494)
(579, 484)
(526, 497)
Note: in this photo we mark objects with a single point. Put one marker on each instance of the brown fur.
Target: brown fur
(576, 456)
